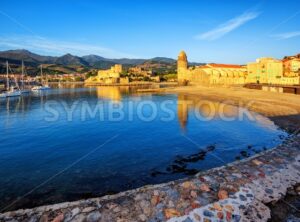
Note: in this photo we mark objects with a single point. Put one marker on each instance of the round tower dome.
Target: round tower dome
(182, 55)
(182, 63)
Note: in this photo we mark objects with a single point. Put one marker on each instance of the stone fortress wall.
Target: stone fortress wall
(264, 71)
(109, 76)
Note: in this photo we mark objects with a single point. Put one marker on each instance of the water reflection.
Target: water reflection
(33, 150)
(64, 85)
(112, 93)
(205, 110)
(183, 110)
(39, 98)
(14, 105)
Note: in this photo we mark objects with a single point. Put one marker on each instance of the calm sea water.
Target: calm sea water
(54, 148)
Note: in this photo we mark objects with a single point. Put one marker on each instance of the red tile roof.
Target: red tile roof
(213, 65)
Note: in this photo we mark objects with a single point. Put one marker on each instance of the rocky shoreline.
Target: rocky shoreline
(239, 191)
(287, 209)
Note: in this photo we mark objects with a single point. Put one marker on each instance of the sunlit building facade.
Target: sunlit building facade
(273, 71)
(209, 74)
(109, 76)
(262, 71)
(291, 66)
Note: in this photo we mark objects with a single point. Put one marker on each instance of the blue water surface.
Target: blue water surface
(48, 156)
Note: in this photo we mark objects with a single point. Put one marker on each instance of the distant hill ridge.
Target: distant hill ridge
(69, 63)
(93, 61)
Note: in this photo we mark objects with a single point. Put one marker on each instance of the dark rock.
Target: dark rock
(236, 218)
(242, 207)
(211, 148)
(269, 191)
(244, 153)
(238, 158)
(242, 197)
(207, 213)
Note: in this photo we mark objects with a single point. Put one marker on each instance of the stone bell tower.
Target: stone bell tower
(182, 66)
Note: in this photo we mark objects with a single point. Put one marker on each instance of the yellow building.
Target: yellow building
(291, 66)
(113, 72)
(109, 76)
(225, 74)
(272, 71)
(263, 71)
(209, 74)
(139, 71)
(182, 66)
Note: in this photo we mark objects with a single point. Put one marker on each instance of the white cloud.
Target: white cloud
(287, 35)
(228, 26)
(54, 47)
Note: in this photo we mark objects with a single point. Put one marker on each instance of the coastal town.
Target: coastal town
(264, 71)
(229, 193)
(149, 111)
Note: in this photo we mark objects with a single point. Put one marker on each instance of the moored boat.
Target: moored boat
(37, 88)
(42, 86)
(11, 91)
(24, 89)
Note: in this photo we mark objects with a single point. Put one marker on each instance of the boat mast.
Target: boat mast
(7, 79)
(42, 74)
(22, 75)
(46, 79)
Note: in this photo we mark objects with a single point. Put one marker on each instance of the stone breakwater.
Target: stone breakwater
(235, 192)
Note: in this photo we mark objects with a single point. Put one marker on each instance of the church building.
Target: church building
(209, 74)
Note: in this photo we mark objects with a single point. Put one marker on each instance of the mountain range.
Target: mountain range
(32, 60)
(89, 60)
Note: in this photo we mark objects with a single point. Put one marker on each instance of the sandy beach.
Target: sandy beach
(282, 108)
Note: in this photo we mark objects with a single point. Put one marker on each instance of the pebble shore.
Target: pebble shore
(236, 192)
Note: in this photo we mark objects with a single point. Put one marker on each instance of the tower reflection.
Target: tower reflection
(203, 110)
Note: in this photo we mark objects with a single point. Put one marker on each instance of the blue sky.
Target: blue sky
(209, 31)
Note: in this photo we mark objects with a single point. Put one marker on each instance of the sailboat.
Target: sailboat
(23, 89)
(11, 91)
(42, 87)
(2, 94)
